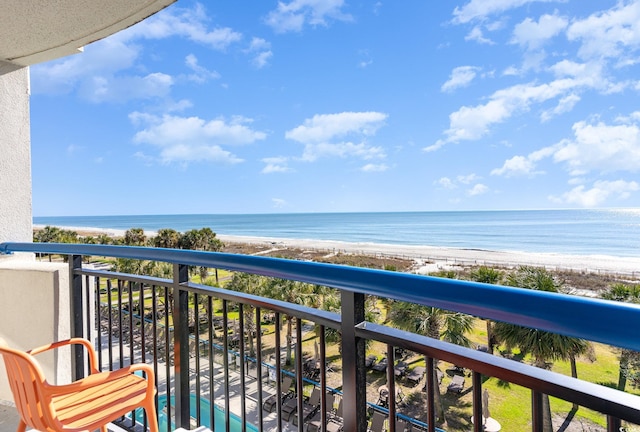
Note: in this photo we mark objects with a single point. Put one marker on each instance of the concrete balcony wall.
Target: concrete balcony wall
(15, 155)
(35, 311)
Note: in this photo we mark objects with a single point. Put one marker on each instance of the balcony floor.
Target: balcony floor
(9, 417)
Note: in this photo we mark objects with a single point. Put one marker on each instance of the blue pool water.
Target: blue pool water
(235, 423)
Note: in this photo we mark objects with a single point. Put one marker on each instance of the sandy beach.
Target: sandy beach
(429, 258)
(441, 256)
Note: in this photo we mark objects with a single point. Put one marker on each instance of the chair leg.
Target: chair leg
(22, 426)
(103, 428)
(152, 420)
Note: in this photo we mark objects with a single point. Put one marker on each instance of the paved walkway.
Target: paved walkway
(235, 393)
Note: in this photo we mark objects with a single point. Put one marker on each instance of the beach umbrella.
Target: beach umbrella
(485, 406)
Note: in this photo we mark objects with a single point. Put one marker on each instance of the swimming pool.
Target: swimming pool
(235, 423)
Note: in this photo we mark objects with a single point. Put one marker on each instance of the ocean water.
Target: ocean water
(614, 232)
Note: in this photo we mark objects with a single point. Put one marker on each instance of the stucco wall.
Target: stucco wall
(15, 155)
(34, 302)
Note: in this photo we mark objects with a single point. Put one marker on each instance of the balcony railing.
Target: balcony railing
(212, 367)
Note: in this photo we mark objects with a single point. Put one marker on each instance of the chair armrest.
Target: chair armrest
(53, 390)
(93, 358)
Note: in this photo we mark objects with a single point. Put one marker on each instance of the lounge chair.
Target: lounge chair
(402, 425)
(456, 385)
(400, 368)
(377, 422)
(381, 366)
(314, 422)
(370, 360)
(309, 408)
(415, 375)
(334, 421)
(271, 402)
(439, 377)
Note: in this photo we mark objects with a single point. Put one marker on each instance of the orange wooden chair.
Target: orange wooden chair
(86, 404)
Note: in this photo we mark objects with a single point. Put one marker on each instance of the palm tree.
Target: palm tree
(48, 234)
(250, 284)
(542, 345)
(627, 358)
(203, 239)
(134, 237)
(51, 234)
(291, 292)
(435, 323)
(167, 238)
(490, 276)
(104, 239)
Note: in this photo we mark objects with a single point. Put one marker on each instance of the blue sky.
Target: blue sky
(340, 105)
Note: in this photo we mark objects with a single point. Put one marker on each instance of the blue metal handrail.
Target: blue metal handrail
(609, 322)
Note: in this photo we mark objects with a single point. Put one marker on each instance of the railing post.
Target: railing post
(614, 424)
(181, 345)
(77, 316)
(536, 411)
(353, 371)
(478, 417)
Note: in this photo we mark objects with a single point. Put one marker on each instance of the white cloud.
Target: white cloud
(474, 122)
(342, 150)
(279, 202)
(598, 147)
(477, 10)
(323, 127)
(276, 165)
(476, 35)
(511, 71)
(103, 59)
(374, 168)
(467, 179)
(103, 71)
(293, 16)
(532, 35)
(601, 147)
(517, 165)
(324, 135)
(366, 60)
(178, 106)
(433, 147)
(187, 23)
(260, 49)
(200, 74)
(565, 104)
(190, 139)
(598, 194)
(262, 59)
(460, 77)
(185, 153)
(523, 166)
(74, 148)
(446, 183)
(478, 189)
(119, 89)
(614, 33)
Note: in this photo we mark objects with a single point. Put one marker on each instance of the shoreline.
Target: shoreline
(428, 256)
(443, 256)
